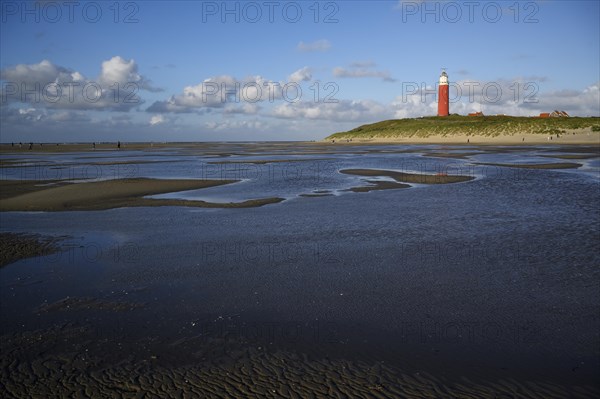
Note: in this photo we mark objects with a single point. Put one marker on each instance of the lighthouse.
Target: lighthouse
(443, 96)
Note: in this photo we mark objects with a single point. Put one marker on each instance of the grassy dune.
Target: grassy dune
(466, 125)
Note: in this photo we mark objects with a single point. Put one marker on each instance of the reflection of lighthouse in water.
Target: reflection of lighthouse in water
(443, 96)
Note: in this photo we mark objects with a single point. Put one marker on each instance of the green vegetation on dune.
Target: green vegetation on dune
(466, 125)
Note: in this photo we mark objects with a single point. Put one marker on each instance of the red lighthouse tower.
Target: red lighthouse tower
(443, 96)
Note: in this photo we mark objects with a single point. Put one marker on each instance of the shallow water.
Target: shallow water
(492, 278)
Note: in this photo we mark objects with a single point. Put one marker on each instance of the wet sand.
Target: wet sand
(11, 163)
(109, 194)
(555, 165)
(75, 303)
(581, 141)
(376, 185)
(409, 177)
(268, 161)
(64, 361)
(454, 155)
(14, 246)
(572, 156)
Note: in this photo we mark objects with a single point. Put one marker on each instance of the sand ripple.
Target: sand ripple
(252, 372)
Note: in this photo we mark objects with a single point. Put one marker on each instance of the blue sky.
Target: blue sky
(155, 70)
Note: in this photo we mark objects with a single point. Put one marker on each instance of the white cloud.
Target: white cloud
(216, 92)
(301, 75)
(362, 70)
(51, 86)
(119, 70)
(236, 125)
(247, 108)
(343, 110)
(44, 72)
(68, 116)
(157, 120)
(584, 103)
(26, 111)
(363, 64)
(316, 46)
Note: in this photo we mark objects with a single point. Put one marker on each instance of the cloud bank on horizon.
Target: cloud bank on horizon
(284, 70)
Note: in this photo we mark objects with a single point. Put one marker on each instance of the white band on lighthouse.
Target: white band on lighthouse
(443, 79)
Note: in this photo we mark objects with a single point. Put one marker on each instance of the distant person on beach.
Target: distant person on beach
(119, 145)
(31, 146)
(94, 145)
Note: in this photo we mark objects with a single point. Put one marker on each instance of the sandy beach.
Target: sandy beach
(575, 137)
(569, 137)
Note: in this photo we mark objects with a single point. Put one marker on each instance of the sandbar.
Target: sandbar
(409, 177)
(267, 161)
(555, 165)
(378, 185)
(109, 194)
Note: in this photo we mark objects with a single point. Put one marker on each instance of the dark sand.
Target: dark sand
(15, 246)
(572, 156)
(555, 165)
(378, 185)
(315, 195)
(109, 194)
(22, 164)
(75, 303)
(463, 155)
(65, 361)
(409, 177)
(267, 161)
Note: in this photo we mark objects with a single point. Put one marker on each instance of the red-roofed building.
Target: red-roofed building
(559, 114)
(554, 114)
